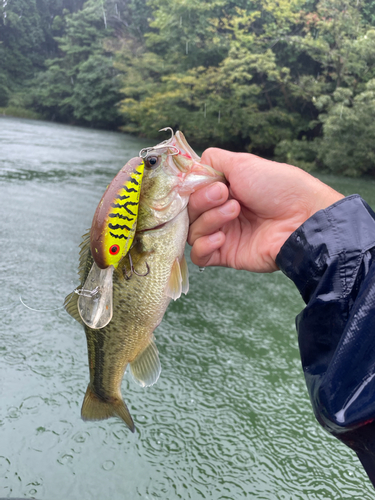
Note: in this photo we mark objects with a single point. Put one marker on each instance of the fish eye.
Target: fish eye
(114, 249)
(152, 161)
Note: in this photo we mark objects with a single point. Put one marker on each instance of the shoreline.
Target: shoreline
(15, 112)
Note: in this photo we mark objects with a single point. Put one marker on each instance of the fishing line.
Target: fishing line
(39, 310)
(44, 310)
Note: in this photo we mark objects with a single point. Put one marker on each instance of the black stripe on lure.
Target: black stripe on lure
(111, 237)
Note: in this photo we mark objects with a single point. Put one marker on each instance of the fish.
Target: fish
(172, 171)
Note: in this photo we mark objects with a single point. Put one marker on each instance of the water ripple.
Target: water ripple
(229, 417)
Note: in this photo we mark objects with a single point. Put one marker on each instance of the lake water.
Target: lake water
(229, 417)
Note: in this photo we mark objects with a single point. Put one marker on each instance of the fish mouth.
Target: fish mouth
(176, 144)
(189, 162)
(184, 147)
(183, 158)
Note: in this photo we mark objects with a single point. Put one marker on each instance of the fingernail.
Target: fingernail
(228, 208)
(215, 238)
(214, 192)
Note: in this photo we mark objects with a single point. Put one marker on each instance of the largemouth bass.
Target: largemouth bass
(145, 280)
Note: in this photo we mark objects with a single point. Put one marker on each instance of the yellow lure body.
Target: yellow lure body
(115, 220)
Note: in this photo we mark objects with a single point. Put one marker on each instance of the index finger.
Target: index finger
(206, 198)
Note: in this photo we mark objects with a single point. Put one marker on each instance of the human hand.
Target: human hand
(244, 226)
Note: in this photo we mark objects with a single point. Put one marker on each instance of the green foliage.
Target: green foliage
(368, 12)
(207, 67)
(301, 153)
(4, 90)
(26, 37)
(264, 77)
(21, 37)
(19, 112)
(336, 37)
(95, 92)
(347, 146)
(80, 85)
(51, 91)
(288, 79)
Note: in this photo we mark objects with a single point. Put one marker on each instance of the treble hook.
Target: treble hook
(145, 151)
(164, 130)
(146, 273)
(127, 276)
(132, 270)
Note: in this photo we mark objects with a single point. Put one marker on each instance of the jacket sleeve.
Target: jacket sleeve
(330, 258)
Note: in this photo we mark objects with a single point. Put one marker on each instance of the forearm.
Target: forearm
(330, 259)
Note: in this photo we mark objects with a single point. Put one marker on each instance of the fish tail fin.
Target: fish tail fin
(96, 408)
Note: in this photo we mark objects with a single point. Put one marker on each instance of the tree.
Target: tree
(21, 40)
(281, 78)
(336, 38)
(347, 146)
(210, 69)
(80, 85)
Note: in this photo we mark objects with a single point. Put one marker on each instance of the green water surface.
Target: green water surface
(229, 417)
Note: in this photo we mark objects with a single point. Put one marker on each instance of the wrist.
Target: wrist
(324, 197)
(330, 233)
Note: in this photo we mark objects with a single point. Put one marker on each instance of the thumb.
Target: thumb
(235, 165)
(220, 160)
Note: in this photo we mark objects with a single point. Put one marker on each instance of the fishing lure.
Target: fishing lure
(115, 219)
(111, 237)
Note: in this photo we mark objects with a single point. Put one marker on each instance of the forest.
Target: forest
(291, 80)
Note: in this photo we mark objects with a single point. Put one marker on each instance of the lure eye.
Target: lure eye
(114, 249)
(152, 161)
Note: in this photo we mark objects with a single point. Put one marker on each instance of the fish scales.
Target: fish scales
(113, 347)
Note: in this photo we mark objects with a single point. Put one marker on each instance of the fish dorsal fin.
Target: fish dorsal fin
(184, 275)
(146, 367)
(71, 306)
(83, 256)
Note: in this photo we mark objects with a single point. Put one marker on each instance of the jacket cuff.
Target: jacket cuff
(348, 227)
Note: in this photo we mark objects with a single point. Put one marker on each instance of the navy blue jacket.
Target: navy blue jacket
(331, 260)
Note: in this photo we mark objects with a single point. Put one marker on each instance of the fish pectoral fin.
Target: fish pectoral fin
(174, 285)
(184, 275)
(178, 280)
(146, 367)
(71, 307)
(97, 408)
